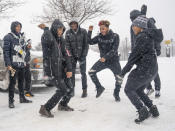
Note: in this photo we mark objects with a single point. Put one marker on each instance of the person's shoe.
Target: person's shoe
(84, 94)
(24, 100)
(143, 114)
(29, 94)
(157, 94)
(44, 112)
(64, 108)
(100, 90)
(154, 111)
(11, 104)
(149, 92)
(117, 97)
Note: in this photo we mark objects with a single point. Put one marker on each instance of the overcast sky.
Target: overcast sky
(162, 10)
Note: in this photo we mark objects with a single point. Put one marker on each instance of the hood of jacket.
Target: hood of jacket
(55, 25)
(134, 14)
(14, 25)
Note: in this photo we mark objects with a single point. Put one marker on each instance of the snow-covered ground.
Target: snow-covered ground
(92, 114)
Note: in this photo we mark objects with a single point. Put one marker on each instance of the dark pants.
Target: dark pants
(62, 95)
(157, 83)
(137, 81)
(27, 77)
(99, 66)
(82, 71)
(19, 75)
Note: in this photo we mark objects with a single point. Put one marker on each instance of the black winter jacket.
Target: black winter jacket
(108, 45)
(58, 52)
(144, 55)
(14, 48)
(77, 43)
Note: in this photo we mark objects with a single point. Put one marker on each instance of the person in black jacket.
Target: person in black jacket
(145, 59)
(27, 72)
(14, 57)
(77, 43)
(151, 24)
(108, 43)
(62, 71)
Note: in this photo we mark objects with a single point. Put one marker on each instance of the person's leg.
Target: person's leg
(27, 79)
(74, 63)
(116, 69)
(11, 87)
(145, 99)
(20, 86)
(157, 82)
(83, 74)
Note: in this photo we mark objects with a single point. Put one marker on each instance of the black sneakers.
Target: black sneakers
(100, 90)
(84, 94)
(154, 111)
(143, 114)
(44, 112)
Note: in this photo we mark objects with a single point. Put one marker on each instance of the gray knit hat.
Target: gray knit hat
(141, 21)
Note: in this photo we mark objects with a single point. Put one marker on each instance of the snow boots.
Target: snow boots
(11, 104)
(44, 112)
(64, 108)
(143, 114)
(154, 111)
(100, 90)
(84, 94)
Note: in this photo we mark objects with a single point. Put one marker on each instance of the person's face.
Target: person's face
(74, 26)
(18, 28)
(104, 30)
(136, 30)
(60, 31)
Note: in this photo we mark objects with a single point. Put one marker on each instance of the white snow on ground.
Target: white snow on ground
(92, 114)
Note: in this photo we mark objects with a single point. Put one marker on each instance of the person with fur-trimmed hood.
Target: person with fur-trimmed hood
(14, 57)
(77, 43)
(62, 70)
(108, 43)
(145, 58)
(151, 24)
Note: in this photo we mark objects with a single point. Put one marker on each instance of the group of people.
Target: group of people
(61, 54)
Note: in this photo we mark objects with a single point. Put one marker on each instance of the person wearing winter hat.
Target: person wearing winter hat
(77, 43)
(145, 59)
(151, 24)
(108, 43)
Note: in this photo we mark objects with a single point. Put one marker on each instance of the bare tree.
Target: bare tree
(7, 5)
(81, 10)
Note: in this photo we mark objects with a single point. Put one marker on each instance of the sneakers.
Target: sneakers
(24, 100)
(84, 94)
(143, 114)
(149, 91)
(154, 111)
(44, 112)
(64, 108)
(29, 94)
(157, 94)
(100, 90)
(117, 97)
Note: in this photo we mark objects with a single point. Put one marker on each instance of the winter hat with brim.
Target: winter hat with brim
(141, 22)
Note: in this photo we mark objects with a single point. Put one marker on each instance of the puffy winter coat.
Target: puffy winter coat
(14, 48)
(77, 43)
(108, 45)
(144, 55)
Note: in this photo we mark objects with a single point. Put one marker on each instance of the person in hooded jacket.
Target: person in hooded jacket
(77, 42)
(14, 57)
(62, 71)
(108, 43)
(145, 58)
(151, 24)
